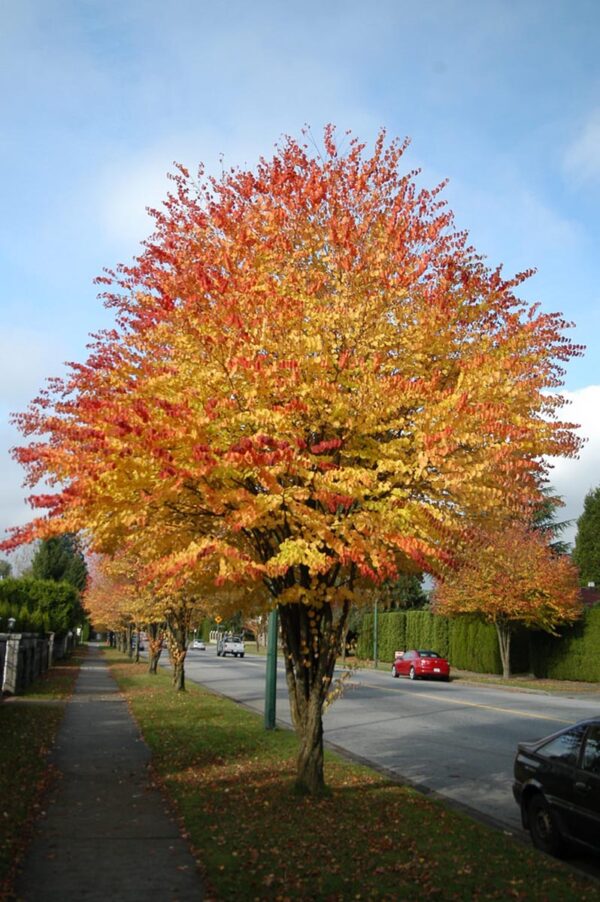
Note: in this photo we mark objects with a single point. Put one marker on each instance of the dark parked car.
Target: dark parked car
(557, 786)
(415, 664)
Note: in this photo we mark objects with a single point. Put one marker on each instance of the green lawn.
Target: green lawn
(369, 838)
(28, 725)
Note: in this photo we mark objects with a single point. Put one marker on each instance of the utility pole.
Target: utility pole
(375, 637)
(271, 676)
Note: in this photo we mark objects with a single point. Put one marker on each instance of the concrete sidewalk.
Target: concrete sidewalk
(107, 833)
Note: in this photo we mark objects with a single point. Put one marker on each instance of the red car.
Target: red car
(415, 664)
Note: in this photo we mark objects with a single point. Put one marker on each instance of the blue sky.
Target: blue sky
(98, 98)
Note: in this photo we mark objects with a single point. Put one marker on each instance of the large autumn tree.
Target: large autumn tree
(512, 578)
(314, 383)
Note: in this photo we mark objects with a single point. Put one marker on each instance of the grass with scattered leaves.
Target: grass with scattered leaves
(28, 725)
(368, 838)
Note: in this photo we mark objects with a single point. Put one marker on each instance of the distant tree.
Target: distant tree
(543, 519)
(586, 553)
(406, 592)
(60, 559)
(5, 569)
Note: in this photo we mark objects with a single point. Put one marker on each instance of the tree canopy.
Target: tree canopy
(543, 519)
(59, 558)
(314, 382)
(586, 553)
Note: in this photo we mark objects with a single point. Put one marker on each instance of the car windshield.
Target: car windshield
(428, 654)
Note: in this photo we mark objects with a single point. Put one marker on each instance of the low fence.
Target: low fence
(26, 656)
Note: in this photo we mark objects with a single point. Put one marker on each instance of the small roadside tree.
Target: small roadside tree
(586, 553)
(511, 578)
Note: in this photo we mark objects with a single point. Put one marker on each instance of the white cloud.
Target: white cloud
(582, 157)
(126, 190)
(514, 218)
(27, 357)
(573, 479)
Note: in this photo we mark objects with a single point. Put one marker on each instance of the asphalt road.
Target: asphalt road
(454, 738)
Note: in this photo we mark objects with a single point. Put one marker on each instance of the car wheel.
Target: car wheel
(545, 834)
(411, 674)
(395, 672)
(242, 655)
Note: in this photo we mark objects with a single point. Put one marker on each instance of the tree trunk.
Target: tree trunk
(311, 640)
(153, 659)
(179, 677)
(154, 639)
(504, 636)
(177, 645)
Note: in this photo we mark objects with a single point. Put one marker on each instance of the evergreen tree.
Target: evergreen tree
(543, 519)
(587, 542)
(61, 560)
(404, 593)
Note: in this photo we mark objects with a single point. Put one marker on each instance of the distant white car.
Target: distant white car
(199, 644)
(231, 645)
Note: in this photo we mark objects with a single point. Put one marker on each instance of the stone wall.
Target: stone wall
(26, 656)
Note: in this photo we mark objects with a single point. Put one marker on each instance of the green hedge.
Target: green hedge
(467, 642)
(39, 605)
(471, 644)
(574, 655)
(474, 645)
(391, 635)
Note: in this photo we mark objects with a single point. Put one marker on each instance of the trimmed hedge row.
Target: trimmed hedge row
(575, 655)
(39, 605)
(471, 644)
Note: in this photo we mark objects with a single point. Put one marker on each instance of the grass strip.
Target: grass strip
(28, 726)
(369, 838)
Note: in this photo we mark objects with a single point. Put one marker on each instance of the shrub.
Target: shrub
(40, 605)
(571, 656)
(474, 645)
